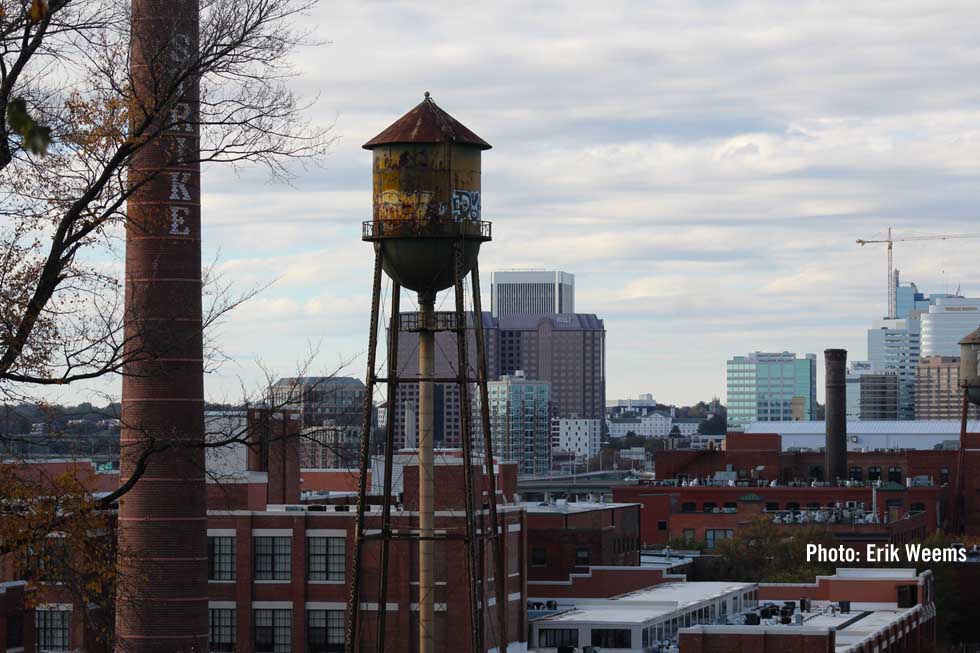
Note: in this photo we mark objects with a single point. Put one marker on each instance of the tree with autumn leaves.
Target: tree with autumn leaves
(70, 124)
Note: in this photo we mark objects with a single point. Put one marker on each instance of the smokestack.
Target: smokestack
(163, 599)
(835, 414)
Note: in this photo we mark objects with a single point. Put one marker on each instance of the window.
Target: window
(538, 557)
(708, 506)
(714, 535)
(326, 558)
(272, 558)
(611, 638)
(583, 557)
(917, 507)
(51, 630)
(273, 629)
(15, 630)
(689, 535)
(855, 474)
(894, 474)
(45, 562)
(772, 506)
(221, 630)
(661, 525)
(689, 507)
(944, 475)
(874, 473)
(325, 631)
(221, 558)
(555, 637)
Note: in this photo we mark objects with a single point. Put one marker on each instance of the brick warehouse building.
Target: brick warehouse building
(853, 611)
(278, 568)
(565, 538)
(757, 476)
(711, 513)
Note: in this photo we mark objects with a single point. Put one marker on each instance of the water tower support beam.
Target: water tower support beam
(467, 442)
(354, 602)
(427, 583)
(498, 534)
(389, 453)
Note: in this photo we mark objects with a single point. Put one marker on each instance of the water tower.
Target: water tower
(426, 230)
(970, 368)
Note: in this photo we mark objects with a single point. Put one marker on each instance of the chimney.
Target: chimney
(274, 448)
(835, 415)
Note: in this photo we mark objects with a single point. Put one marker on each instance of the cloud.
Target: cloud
(704, 169)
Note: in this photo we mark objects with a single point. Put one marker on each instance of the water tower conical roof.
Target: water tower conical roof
(427, 123)
(972, 338)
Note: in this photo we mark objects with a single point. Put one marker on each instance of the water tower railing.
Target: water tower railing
(426, 228)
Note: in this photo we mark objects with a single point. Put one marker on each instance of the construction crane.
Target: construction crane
(892, 291)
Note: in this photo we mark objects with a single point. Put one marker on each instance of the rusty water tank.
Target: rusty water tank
(426, 197)
(970, 366)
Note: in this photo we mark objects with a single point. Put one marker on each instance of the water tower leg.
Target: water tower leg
(467, 442)
(426, 464)
(389, 453)
(498, 534)
(354, 598)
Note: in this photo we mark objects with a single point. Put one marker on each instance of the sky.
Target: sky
(702, 168)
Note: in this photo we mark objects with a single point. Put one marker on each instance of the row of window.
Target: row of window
(273, 629)
(602, 637)
(326, 558)
(583, 556)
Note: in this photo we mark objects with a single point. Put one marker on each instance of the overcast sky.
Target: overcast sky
(703, 168)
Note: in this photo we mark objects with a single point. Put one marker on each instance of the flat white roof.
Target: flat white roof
(648, 604)
(571, 506)
(684, 593)
(895, 427)
(881, 574)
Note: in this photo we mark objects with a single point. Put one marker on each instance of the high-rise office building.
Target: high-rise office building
(520, 422)
(910, 303)
(937, 389)
(567, 350)
(895, 344)
(338, 400)
(531, 292)
(447, 407)
(880, 396)
(947, 321)
(852, 384)
(762, 387)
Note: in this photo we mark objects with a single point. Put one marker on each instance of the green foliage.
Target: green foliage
(765, 552)
(36, 137)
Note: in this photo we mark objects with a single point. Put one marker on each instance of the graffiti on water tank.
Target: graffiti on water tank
(397, 205)
(466, 204)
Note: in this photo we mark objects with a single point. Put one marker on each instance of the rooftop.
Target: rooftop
(427, 123)
(943, 427)
(559, 322)
(290, 381)
(566, 507)
(648, 604)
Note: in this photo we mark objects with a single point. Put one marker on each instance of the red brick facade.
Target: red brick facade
(567, 539)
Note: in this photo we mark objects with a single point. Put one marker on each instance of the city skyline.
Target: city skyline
(706, 207)
(305, 452)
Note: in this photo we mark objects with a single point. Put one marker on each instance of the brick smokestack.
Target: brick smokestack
(835, 414)
(273, 437)
(162, 605)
